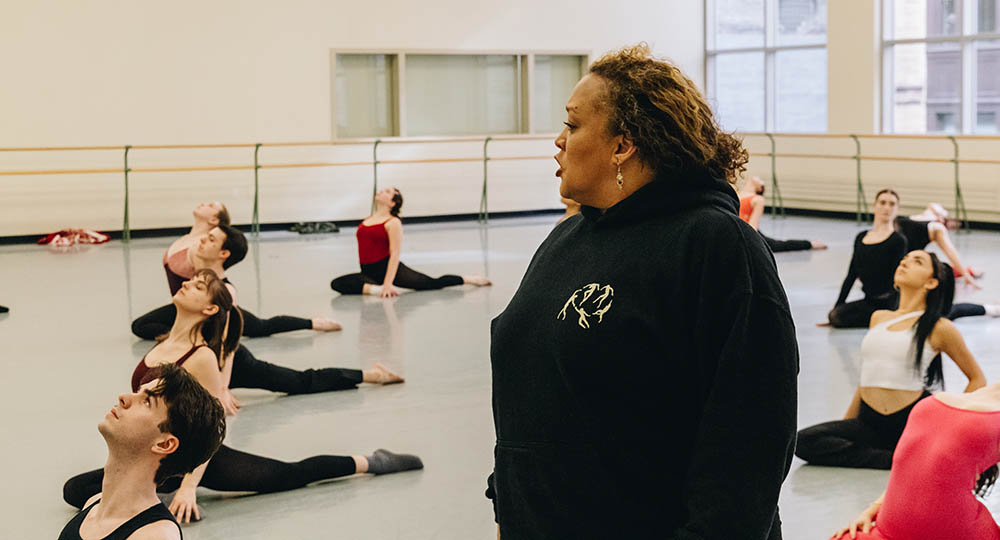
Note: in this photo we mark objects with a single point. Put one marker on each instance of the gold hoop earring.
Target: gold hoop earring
(619, 178)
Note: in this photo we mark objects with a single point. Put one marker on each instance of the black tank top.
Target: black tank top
(157, 512)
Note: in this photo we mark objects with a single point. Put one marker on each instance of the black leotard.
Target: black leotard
(154, 513)
(874, 265)
(915, 231)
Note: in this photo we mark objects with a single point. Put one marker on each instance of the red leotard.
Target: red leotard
(179, 269)
(934, 470)
(373, 242)
(143, 373)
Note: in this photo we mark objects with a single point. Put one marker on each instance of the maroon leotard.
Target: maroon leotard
(373, 242)
(143, 373)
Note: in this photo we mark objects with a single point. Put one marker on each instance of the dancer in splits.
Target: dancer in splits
(900, 360)
(380, 240)
(219, 245)
(165, 428)
(179, 265)
(930, 226)
(876, 255)
(206, 326)
(752, 208)
(946, 457)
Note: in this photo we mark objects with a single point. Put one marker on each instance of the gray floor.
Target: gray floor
(67, 352)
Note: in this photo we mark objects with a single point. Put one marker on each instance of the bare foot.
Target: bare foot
(823, 324)
(322, 324)
(381, 375)
(478, 281)
(818, 245)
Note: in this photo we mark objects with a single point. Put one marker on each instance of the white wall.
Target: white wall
(114, 73)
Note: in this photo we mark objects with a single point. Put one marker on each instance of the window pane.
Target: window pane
(462, 94)
(739, 91)
(927, 88)
(739, 23)
(987, 15)
(801, 22)
(555, 77)
(987, 86)
(801, 90)
(363, 101)
(926, 18)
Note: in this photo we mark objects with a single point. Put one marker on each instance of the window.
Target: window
(766, 64)
(399, 94)
(942, 66)
(555, 78)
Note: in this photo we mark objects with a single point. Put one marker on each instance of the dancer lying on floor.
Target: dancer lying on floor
(207, 325)
(380, 240)
(166, 428)
(752, 208)
(179, 262)
(946, 457)
(218, 246)
(900, 360)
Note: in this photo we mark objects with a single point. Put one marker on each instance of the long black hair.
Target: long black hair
(938, 304)
(397, 203)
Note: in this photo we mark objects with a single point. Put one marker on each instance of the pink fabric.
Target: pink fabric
(934, 470)
(72, 237)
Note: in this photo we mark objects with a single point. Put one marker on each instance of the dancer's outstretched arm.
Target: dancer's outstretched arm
(865, 521)
(395, 229)
(939, 235)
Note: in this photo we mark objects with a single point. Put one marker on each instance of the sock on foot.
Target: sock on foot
(385, 462)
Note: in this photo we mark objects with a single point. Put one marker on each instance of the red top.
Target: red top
(143, 373)
(934, 469)
(746, 208)
(373, 242)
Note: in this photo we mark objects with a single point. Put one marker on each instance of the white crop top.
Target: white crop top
(887, 357)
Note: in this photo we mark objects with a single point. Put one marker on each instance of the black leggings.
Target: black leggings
(232, 470)
(858, 314)
(866, 442)
(158, 322)
(249, 372)
(406, 277)
(778, 246)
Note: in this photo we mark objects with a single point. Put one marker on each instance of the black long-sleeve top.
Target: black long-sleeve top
(644, 376)
(875, 265)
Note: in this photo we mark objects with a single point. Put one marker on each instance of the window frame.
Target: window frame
(525, 105)
(770, 48)
(967, 42)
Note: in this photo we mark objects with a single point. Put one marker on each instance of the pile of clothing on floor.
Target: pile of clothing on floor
(315, 227)
(72, 237)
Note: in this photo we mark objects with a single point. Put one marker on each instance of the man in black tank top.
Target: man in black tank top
(167, 428)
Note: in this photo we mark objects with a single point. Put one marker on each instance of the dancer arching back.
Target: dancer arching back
(380, 240)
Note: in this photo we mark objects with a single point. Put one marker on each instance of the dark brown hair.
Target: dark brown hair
(223, 216)
(889, 191)
(664, 114)
(222, 330)
(235, 243)
(397, 199)
(194, 416)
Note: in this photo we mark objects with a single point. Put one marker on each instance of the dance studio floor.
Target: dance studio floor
(67, 352)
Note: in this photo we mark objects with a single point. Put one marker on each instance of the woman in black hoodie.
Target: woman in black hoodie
(658, 275)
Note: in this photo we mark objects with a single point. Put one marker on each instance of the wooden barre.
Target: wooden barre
(294, 165)
(515, 158)
(190, 146)
(191, 169)
(443, 160)
(59, 171)
(60, 148)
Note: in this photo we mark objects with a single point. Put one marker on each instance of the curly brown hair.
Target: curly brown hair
(664, 114)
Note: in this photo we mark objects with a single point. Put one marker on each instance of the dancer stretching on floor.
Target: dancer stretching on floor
(926, 227)
(945, 458)
(223, 244)
(206, 327)
(166, 428)
(380, 240)
(179, 264)
(876, 254)
(752, 208)
(900, 359)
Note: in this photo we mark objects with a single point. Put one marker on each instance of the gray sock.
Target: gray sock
(385, 462)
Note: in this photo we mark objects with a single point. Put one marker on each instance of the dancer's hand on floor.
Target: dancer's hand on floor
(863, 522)
(230, 403)
(388, 291)
(184, 505)
(970, 279)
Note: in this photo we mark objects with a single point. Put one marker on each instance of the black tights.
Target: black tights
(406, 277)
(866, 442)
(858, 314)
(778, 246)
(232, 470)
(158, 322)
(249, 372)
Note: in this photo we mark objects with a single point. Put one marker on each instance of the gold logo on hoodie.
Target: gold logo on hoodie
(589, 301)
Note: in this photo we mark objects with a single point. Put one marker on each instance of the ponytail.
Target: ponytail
(938, 304)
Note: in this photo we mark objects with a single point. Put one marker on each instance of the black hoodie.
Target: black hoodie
(644, 375)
